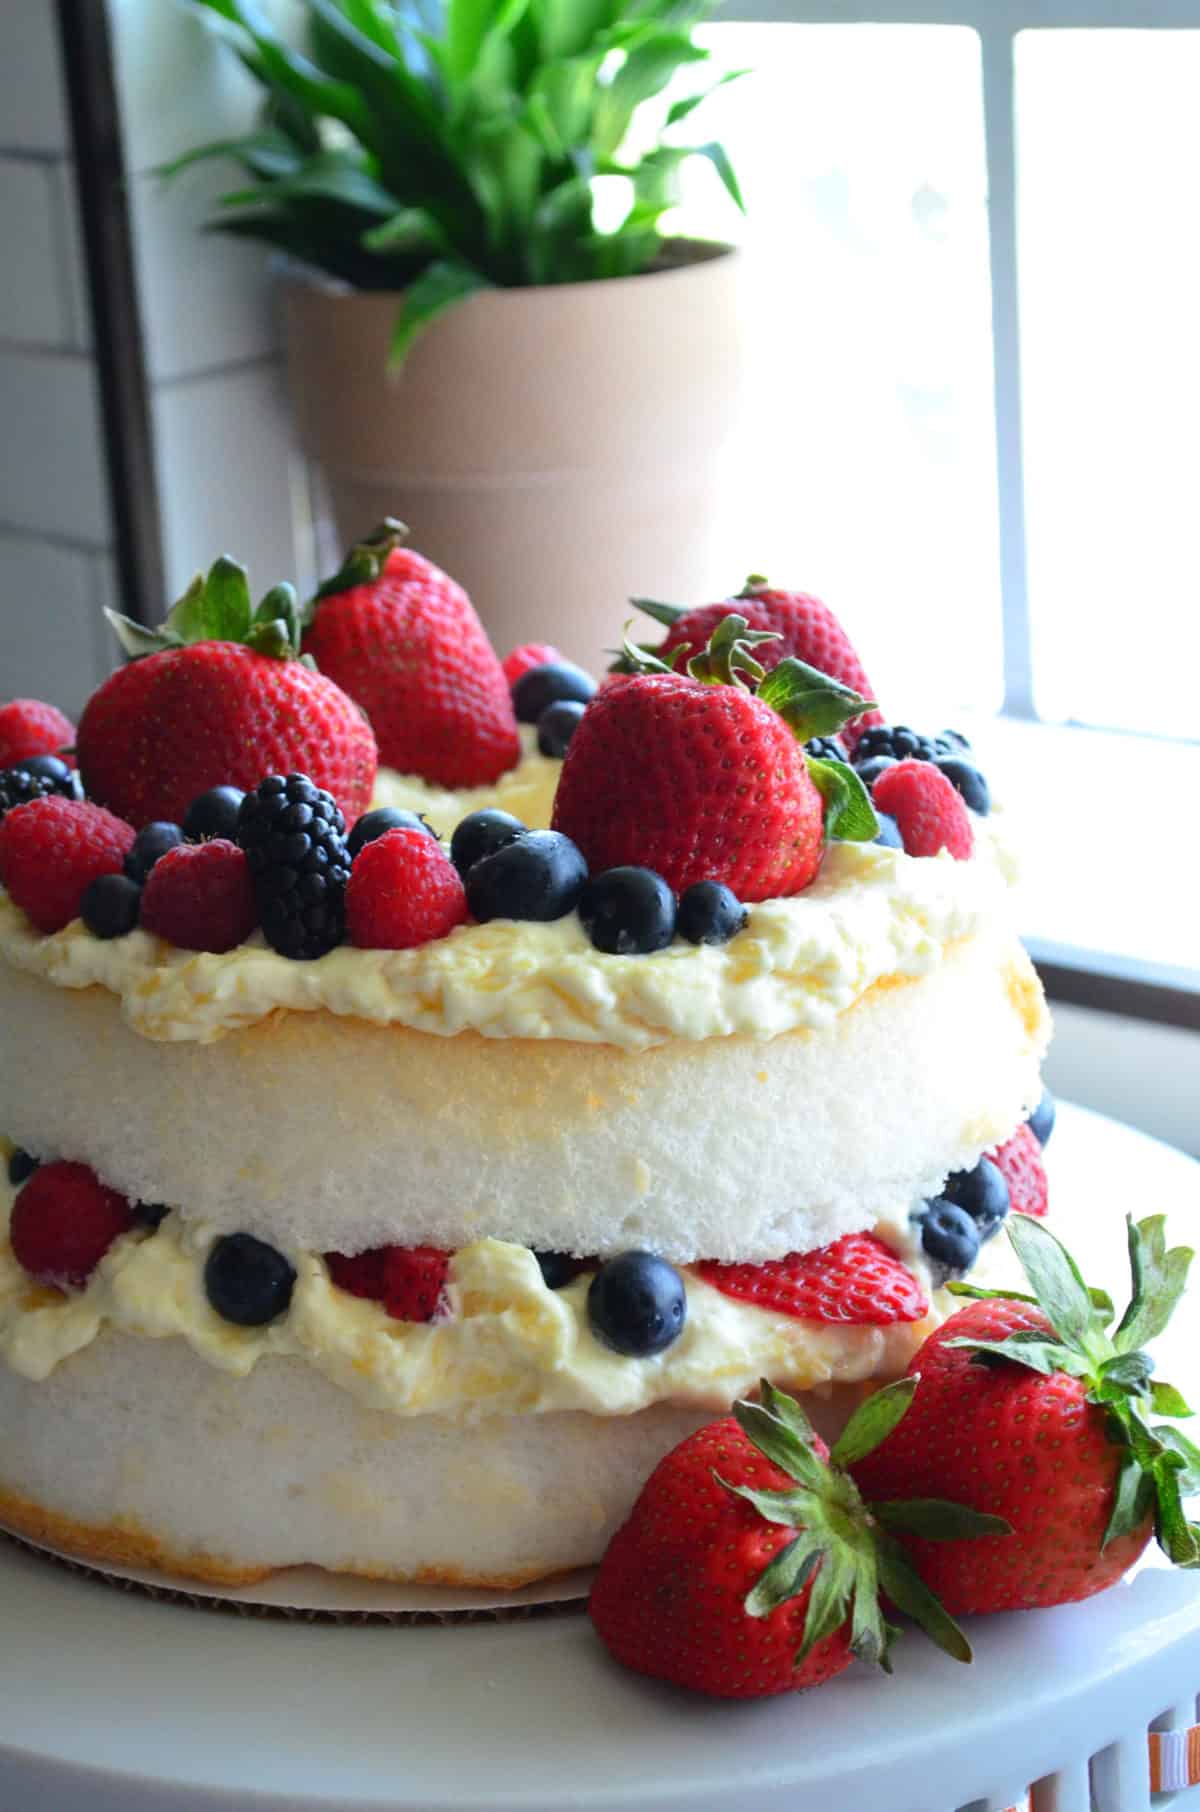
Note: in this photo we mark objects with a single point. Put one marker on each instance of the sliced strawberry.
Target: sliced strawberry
(1020, 1158)
(857, 1280)
(407, 1280)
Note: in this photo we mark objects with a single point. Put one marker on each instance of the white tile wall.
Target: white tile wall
(51, 629)
(51, 467)
(35, 306)
(226, 475)
(32, 107)
(205, 299)
(73, 287)
(178, 84)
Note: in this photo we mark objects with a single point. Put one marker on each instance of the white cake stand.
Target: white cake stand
(111, 1702)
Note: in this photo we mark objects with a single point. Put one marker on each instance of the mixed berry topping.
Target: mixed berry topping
(556, 726)
(481, 834)
(983, 1192)
(974, 1204)
(628, 911)
(928, 811)
(21, 1166)
(247, 1281)
(149, 846)
(30, 727)
(408, 1281)
(213, 814)
(539, 875)
(110, 905)
(63, 1222)
(949, 751)
(540, 687)
(529, 654)
(377, 823)
(825, 748)
(637, 1304)
(294, 837)
(38, 778)
(710, 913)
(403, 891)
(200, 896)
(1041, 1120)
(51, 849)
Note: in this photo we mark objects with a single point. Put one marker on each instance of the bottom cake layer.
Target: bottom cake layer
(140, 1455)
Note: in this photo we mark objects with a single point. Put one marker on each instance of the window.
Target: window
(980, 419)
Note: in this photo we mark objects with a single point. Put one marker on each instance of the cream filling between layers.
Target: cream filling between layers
(871, 913)
(507, 1344)
(527, 791)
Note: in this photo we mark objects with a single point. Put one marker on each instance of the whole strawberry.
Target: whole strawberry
(701, 779)
(403, 639)
(751, 1565)
(805, 627)
(1033, 1412)
(216, 697)
(29, 727)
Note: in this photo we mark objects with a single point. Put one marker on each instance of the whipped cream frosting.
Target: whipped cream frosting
(527, 791)
(506, 1345)
(872, 913)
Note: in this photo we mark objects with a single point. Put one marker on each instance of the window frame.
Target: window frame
(1110, 983)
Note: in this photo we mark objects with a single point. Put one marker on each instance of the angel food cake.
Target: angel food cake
(392, 1202)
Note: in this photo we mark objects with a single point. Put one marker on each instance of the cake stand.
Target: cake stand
(113, 1702)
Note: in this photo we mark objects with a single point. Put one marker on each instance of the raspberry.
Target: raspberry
(63, 1222)
(1020, 1161)
(199, 896)
(404, 890)
(407, 1280)
(51, 849)
(928, 810)
(529, 654)
(28, 727)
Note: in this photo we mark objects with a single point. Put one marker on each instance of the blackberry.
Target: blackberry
(899, 743)
(21, 784)
(825, 748)
(294, 837)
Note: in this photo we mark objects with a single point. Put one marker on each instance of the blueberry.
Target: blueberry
(869, 771)
(949, 1235)
(540, 876)
(150, 846)
(628, 911)
(149, 1214)
(379, 822)
(954, 739)
(557, 725)
(47, 767)
(966, 779)
(889, 831)
(213, 814)
(982, 1192)
(637, 1304)
(559, 1268)
(481, 834)
(825, 748)
(110, 905)
(1041, 1120)
(247, 1281)
(710, 913)
(542, 686)
(21, 1166)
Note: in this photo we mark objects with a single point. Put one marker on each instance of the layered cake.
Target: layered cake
(392, 1202)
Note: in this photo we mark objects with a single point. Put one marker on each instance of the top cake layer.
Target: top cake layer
(872, 914)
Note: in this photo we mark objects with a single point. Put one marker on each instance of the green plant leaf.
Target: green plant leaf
(849, 815)
(874, 1420)
(646, 71)
(435, 290)
(679, 110)
(935, 1519)
(719, 158)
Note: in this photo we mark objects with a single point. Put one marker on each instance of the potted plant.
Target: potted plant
(546, 402)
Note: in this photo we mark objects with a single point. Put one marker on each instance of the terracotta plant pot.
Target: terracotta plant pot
(556, 449)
